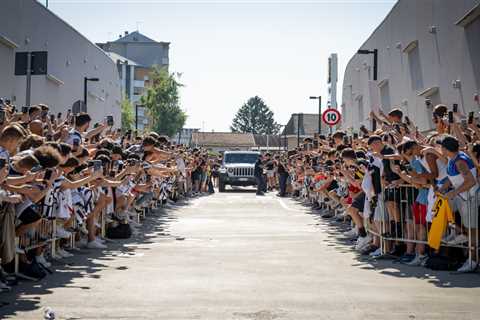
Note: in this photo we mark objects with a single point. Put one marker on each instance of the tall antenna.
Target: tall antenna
(138, 25)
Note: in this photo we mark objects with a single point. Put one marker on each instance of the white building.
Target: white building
(26, 25)
(427, 49)
(135, 55)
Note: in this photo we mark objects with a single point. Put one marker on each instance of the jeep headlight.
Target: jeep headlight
(230, 170)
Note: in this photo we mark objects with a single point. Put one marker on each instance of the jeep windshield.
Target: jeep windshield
(241, 158)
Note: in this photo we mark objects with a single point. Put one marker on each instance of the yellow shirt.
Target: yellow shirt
(442, 215)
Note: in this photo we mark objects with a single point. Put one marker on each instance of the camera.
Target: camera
(110, 121)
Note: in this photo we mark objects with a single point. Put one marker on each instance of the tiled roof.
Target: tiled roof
(135, 37)
(223, 139)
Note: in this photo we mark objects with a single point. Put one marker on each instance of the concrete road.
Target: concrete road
(238, 256)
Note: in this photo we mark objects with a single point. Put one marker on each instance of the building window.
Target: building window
(361, 114)
(127, 81)
(138, 91)
(385, 98)
(415, 67)
(472, 32)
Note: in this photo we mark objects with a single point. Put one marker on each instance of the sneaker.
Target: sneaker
(419, 260)
(4, 287)
(95, 245)
(376, 254)
(62, 233)
(63, 253)
(459, 239)
(352, 234)
(468, 266)
(100, 240)
(363, 242)
(368, 249)
(406, 258)
(41, 260)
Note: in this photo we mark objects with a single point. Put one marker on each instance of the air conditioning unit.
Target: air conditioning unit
(456, 84)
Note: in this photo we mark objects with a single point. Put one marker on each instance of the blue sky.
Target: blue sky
(228, 51)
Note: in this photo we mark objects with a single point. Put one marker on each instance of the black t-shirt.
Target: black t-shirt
(258, 168)
(281, 169)
(269, 165)
(387, 170)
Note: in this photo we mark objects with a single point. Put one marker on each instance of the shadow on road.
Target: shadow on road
(88, 263)
(389, 266)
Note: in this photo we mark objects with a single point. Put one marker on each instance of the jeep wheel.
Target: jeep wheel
(221, 186)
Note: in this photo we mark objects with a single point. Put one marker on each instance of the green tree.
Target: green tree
(255, 117)
(163, 104)
(128, 118)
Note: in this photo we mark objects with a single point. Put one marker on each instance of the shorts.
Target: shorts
(359, 202)
(419, 213)
(468, 213)
(28, 216)
(270, 173)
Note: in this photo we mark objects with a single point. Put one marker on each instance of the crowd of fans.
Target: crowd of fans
(62, 184)
(407, 195)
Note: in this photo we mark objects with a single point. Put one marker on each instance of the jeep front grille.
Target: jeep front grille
(243, 172)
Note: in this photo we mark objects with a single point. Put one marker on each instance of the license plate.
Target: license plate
(243, 179)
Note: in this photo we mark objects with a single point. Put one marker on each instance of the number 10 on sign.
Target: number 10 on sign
(331, 117)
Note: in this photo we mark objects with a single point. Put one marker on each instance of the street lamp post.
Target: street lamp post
(319, 98)
(85, 81)
(375, 73)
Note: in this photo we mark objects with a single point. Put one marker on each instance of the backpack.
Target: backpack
(442, 263)
(121, 231)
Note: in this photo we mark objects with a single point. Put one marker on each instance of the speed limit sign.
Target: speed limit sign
(331, 117)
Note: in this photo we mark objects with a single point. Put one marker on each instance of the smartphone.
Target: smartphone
(450, 116)
(374, 125)
(146, 165)
(345, 140)
(48, 175)
(52, 118)
(407, 120)
(36, 169)
(24, 109)
(110, 121)
(2, 116)
(3, 162)
(363, 129)
(455, 107)
(355, 136)
(470, 117)
(97, 165)
(120, 166)
(59, 115)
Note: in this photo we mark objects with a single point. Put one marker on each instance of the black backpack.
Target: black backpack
(442, 263)
(121, 231)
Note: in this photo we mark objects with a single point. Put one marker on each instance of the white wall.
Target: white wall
(453, 52)
(71, 57)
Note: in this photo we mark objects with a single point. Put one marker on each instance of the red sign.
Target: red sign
(331, 117)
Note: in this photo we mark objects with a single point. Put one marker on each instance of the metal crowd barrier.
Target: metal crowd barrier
(43, 234)
(397, 205)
